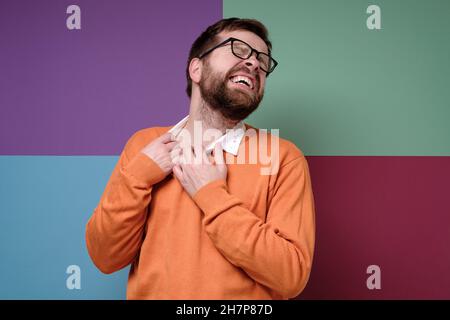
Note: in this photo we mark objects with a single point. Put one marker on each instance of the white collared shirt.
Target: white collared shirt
(230, 141)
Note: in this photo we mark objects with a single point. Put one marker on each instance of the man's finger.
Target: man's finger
(176, 151)
(218, 154)
(178, 160)
(194, 155)
(177, 172)
(166, 137)
(206, 157)
(171, 145)
(210, 157)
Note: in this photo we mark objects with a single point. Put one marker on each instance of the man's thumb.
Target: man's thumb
(218, 154)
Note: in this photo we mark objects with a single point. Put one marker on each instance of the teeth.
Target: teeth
(236, 79)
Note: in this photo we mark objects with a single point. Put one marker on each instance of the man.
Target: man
(210, 229)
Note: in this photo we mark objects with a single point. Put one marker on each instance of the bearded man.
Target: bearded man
(210, 229)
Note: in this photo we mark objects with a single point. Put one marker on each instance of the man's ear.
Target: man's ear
(195, 70)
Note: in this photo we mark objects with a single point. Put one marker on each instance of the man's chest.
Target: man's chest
(245, 183)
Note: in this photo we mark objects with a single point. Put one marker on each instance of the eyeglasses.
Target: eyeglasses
(244, 51)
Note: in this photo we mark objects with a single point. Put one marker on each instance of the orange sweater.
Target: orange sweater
(251, 237)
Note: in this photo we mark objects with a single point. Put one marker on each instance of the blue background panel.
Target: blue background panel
(46, 203)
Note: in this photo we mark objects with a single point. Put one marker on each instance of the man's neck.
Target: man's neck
(209, 119)
(203, 117)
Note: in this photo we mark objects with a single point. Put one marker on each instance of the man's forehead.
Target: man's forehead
(251, 38)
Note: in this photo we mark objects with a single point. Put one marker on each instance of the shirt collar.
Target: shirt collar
(230, 141)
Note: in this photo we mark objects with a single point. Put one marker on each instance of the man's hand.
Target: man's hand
(159, 151)
(193, 175)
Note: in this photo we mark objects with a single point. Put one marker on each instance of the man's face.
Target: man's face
(218, 84)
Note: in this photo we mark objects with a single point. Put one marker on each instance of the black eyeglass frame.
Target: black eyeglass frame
(258, 53)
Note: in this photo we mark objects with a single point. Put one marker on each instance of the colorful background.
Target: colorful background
(369, 108)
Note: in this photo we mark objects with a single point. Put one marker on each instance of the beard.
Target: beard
(232, 103)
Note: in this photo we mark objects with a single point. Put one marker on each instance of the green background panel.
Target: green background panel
(342, 89)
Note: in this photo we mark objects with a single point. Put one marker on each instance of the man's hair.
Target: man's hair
(208, 38)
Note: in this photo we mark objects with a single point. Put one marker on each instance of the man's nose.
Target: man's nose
(252, 62)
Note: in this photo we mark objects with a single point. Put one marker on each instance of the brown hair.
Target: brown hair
(208, 37)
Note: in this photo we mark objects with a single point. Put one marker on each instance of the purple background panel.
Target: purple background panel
(84, 92)
(387, 211)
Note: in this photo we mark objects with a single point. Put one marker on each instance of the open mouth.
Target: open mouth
(243, 81)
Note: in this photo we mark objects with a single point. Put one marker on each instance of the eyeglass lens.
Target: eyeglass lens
(243, 51)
